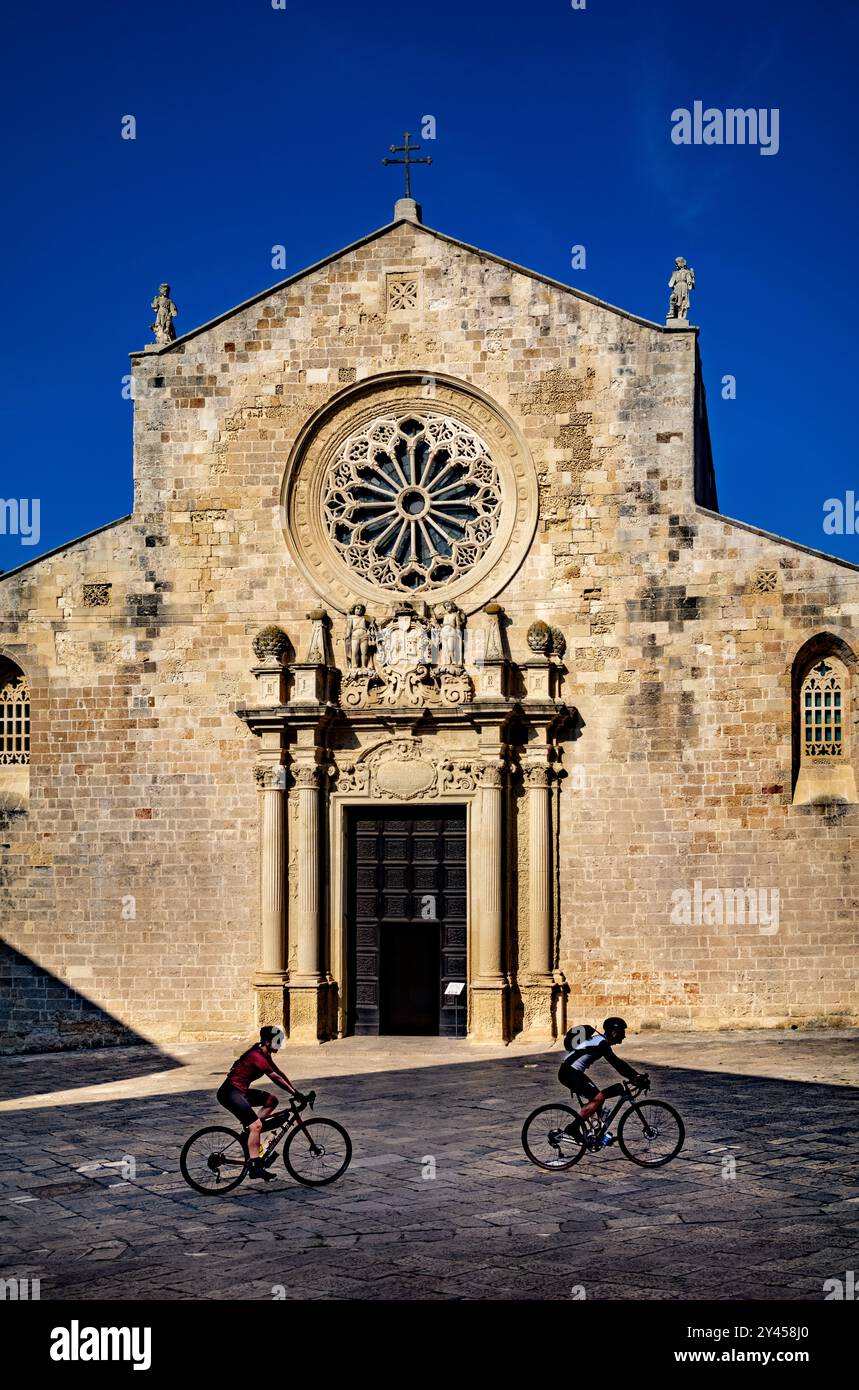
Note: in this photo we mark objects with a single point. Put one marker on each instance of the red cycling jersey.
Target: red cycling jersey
(252, 1064)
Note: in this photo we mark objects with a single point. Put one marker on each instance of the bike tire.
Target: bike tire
(215, 1189)
(317, 1128)
(637, 1112)
(529, 1142)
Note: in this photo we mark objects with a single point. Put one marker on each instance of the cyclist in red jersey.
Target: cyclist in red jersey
(237, 1096)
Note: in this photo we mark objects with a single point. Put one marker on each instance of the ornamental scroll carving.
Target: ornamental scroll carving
(458, 776)
(401, 768)
(398, 768)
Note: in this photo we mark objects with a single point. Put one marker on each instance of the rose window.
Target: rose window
(412, 502)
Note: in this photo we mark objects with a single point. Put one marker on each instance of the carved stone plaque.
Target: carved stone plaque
(405, 780)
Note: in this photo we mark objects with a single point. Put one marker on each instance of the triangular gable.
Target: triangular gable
(366, 241)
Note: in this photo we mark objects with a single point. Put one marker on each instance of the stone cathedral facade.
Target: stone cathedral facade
(425, 690)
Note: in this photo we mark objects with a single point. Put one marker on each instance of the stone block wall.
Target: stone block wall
(132, 876)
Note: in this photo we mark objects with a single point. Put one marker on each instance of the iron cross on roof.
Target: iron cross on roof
(407, 150)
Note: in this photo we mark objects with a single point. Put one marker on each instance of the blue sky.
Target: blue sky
(259, 126)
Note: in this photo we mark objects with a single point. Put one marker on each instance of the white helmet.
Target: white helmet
(274, 1035)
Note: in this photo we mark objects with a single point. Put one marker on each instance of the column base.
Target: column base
(488, 1011)
(541, 998)
(270, 999)
(310, 1012)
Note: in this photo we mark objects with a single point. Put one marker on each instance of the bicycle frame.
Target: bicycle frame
(627, 1097)
(282, 1124)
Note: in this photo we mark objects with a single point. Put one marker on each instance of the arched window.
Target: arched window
(822, 712)
(823, 678)
(14, 714)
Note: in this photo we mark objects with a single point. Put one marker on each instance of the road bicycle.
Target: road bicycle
(215, 1160)
(650, 1133)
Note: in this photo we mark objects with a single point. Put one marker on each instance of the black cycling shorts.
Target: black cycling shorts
(577, 1082)
(241, 1103)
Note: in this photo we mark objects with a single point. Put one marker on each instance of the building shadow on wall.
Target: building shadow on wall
(41, 1013)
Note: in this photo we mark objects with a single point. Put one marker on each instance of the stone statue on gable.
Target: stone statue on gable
(165, 313)
(681, 282)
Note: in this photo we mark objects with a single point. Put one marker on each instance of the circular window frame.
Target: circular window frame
(402, 393)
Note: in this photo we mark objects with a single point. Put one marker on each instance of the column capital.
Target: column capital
(270, 776)
(491, 773)
(306, 776)
(537, 776)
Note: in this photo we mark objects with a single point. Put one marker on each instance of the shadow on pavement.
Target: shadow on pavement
(440, 1201)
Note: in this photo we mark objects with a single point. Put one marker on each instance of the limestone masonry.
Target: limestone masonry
(628, 722)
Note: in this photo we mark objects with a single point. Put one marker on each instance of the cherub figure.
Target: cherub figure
(681, 282)
(359, 639)
(165, 313)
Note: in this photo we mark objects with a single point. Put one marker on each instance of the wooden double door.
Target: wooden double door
(407, 921)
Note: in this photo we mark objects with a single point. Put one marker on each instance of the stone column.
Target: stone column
(270, 979)
(538, 987)
(307, 907)
(486, 857)
(272, 857)
(307, 989)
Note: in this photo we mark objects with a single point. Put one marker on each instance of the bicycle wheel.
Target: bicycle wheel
(317, 1152)
(214, 1161)
(545, 1142)
(651, 1133)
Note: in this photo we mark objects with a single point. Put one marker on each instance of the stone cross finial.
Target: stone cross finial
(681, 282)
(165, 313)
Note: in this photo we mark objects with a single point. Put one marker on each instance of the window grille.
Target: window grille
(822, 710)
(15, 722)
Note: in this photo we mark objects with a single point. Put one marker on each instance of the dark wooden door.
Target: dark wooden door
(407, 921)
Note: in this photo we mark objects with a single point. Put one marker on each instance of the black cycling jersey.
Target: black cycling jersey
(589, 1051)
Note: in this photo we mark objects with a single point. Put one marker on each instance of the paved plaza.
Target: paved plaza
(440, 1201)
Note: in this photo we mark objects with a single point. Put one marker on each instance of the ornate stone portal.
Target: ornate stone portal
(408, 507)
(385, 731)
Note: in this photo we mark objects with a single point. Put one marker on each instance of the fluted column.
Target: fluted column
(489, 984)
(490, 859)
(307, 903)
(272, 872)
(537, 780)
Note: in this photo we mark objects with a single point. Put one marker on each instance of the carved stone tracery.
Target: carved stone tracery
(393, 492)
(412, 502)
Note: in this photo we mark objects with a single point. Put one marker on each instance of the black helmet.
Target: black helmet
(611, 1023)
(274, 1035)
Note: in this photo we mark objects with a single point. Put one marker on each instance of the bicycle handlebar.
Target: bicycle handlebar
(308, 1100)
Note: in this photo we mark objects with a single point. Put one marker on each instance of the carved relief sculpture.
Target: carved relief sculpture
(405, 670)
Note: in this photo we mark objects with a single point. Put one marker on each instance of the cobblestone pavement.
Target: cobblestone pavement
(489, 1225)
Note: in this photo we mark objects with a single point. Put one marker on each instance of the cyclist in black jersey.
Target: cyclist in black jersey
(582, 1053)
